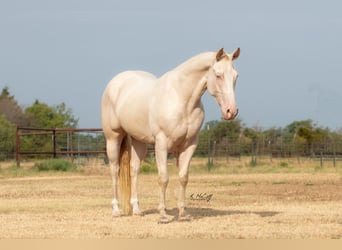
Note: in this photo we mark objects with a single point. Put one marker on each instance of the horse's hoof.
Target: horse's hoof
(185, 218)
(163, 220)
(138, 213)
(116, 213)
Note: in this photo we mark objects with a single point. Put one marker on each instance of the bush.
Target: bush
(283, 164)
(148, 166)
(55, 165)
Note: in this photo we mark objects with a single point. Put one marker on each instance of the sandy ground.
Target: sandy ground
(242, 206)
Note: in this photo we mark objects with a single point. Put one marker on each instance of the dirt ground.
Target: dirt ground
(236, 206)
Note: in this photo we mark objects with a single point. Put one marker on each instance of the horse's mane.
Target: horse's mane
(201, 61)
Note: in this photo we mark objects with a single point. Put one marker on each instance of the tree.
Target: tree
(5, 92)
(221, 133)
(10, 108)
(7, 135)
(42, 115)
(39, 115)
(65, 113)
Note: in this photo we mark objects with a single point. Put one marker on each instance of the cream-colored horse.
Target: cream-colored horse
(139, 109)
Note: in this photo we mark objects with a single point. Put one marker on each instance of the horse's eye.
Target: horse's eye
(219, 76)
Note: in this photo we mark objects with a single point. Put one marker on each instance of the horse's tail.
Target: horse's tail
(125, 176)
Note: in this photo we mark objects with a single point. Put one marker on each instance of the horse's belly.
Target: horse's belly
(140, 134)
(134, 121)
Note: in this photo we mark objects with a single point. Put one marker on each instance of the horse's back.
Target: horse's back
(127, 81)
(125, 101)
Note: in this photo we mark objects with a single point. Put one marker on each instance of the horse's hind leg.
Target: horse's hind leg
(137, 155)
(113, 151)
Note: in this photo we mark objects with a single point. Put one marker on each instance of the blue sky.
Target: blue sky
(67, 51)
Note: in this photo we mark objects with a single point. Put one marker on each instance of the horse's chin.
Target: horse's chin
(229, 117)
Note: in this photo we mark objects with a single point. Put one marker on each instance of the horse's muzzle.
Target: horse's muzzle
(230, 114)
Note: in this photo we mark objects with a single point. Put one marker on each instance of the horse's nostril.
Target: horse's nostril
(228, 111)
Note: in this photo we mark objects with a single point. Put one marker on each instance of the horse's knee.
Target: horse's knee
(163, 180)
(183, 180)
(135, 170)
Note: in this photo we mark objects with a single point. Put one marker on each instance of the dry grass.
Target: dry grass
(248, 205)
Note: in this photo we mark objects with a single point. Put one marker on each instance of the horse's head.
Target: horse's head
(221, 82)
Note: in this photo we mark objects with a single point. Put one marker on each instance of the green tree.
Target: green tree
(42, 115)
(221, 133)
(7, 138)
(308, 136)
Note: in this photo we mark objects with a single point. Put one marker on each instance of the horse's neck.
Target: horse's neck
(195, 67)
(191, 77)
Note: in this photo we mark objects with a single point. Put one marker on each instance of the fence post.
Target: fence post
(72, 145)
(17, 147)
(210, 160)
(54, 143)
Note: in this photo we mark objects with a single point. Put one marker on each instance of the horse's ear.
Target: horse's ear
(220, 54)
(236, 53)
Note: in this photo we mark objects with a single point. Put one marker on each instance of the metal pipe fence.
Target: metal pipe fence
(90, 142)
(66, 142)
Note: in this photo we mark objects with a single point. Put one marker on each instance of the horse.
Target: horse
(138, 108)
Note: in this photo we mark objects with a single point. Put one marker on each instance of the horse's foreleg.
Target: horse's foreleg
(183, 162)
(137, 154)
(163, 177)
(113, 149)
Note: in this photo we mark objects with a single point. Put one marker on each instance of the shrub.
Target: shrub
(283, 164)
(55, 165)
(148, 166)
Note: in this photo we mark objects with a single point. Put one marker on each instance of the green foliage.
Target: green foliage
(253, 162)
(148, 166)
(55, 165)
(13, 171)
(283, 164)
(280, 183)
(300, 138)
(44, 116)
(220, 132)
(7, 138)
(39, 115)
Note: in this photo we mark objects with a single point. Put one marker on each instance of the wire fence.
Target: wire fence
(87, 146)
(70, 143)
(266, 149)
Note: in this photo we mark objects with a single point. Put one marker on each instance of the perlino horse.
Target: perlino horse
(140, 109)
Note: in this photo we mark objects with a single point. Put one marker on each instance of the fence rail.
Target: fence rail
(63, 141)
(90, 142)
